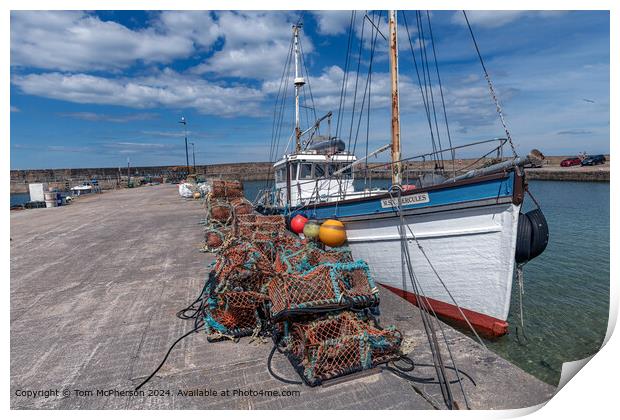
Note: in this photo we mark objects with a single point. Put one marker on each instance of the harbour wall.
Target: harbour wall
(258, 171)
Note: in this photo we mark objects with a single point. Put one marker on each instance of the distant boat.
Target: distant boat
(467, 228)
(82, 189)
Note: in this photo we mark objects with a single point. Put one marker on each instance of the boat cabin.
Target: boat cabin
(312, 177)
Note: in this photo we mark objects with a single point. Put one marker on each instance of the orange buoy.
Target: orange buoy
(311, 229)
(332, 233)
(297, 223)
(197, 195)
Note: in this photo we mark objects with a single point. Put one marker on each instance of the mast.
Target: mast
(299, 82)
(396, 164)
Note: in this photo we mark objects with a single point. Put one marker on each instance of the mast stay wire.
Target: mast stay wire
(305, 68)
(498, 107)
(443, 102)
(430, 83)
(279, 123)
(343, 89)
(357, 76)
(278, 114)
(424, 98)
(369, 81)
(276, 110)
(373, 39)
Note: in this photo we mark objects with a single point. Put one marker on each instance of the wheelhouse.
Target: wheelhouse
(311, 177)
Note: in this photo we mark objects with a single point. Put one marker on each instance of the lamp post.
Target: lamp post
(184, 122)
(193, 155)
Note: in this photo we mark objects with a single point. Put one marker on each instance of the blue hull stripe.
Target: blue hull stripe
(484, 190)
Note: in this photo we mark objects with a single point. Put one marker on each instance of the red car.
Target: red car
(570, 162)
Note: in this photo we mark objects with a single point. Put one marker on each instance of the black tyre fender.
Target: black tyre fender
(524, 239)
(540, 232)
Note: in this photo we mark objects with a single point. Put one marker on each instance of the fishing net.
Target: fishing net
(254, 227)
(326, 287)
(303, 258)
(338, 344)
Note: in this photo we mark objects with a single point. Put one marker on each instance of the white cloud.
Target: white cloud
(166, 89)
(93, 116)
(255, 45)
(78, 41)
(333, 22)
(199, 26)
(497, 18)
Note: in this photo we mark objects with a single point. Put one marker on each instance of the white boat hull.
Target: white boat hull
(472, 250)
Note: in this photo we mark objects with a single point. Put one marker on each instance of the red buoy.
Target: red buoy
(297, 223)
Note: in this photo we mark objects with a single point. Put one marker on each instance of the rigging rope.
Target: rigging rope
(407, 272)
(443, 102)
(345, 78)
(491, 89)
(426, 69)
(422, 89)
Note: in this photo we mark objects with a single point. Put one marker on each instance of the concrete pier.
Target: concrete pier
(95, 287)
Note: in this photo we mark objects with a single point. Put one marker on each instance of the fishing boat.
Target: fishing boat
(465, 232)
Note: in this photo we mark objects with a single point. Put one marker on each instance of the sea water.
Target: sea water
(566, 299)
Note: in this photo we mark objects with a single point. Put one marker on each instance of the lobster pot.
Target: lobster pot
(310, 256)
(337, 345)
(241, 265)
(219, 212)
(226, 189)
(327, 287)
(241, 206)
(233, 314)
(215, 238)
(259, 227)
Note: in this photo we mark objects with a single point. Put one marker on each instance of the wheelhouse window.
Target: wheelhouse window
(281, 174)
(305, 171)
(331, 168)
(319, 170)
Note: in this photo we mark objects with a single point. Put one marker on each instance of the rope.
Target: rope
(521, 317)
(428, 326)
(498, 107)
(443, 103)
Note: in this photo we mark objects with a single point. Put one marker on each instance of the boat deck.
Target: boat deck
(94, 291)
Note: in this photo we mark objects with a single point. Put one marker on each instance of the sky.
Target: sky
(94, 89)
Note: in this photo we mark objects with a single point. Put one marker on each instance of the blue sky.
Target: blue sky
(91, 89)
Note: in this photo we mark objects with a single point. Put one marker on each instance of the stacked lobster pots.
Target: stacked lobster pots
(224, 203)
(317, 304)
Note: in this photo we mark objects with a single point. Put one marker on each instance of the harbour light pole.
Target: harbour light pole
(193, 155)
(184, 122)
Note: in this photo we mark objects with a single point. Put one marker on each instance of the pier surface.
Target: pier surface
(95, 287)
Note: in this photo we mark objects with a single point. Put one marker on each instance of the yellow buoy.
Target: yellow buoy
(196, 195)
(332, 233)
(311, 230)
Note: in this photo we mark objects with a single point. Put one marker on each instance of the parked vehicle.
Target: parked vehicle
(572, 161)
(593, 160)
